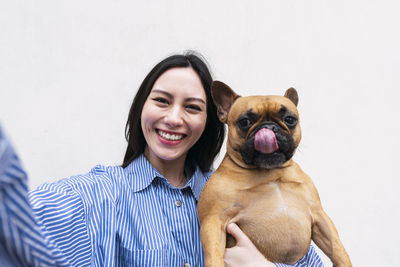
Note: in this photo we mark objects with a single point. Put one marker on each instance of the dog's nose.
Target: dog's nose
(271, 126)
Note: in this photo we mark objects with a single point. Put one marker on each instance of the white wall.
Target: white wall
(69, 70)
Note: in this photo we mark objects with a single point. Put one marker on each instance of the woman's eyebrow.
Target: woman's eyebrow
(189, 99)
(161, 92)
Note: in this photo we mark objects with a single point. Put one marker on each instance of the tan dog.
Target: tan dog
(259, 187)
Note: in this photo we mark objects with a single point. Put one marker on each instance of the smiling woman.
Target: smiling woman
(173, 119)
(163, 82)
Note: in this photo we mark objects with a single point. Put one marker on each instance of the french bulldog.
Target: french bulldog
(259, 187)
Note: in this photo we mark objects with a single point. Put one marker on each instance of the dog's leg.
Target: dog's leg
(213, 238)
(325, 235)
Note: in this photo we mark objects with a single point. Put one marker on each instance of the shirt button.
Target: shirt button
(186, 265)
(178, 203)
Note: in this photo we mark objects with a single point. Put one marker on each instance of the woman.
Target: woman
(142, 213)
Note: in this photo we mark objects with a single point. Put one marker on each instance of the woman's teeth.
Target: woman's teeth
(172, 137)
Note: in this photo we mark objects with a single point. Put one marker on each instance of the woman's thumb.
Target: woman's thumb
(235, 231)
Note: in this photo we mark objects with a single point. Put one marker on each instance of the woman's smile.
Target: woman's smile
(174, 115)
(169, 138)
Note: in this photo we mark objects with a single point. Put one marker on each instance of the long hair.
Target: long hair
(209, 144)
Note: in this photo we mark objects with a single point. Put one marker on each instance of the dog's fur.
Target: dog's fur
(266, 193)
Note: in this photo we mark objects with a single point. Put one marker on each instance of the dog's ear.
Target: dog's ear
(291, 93)
(223, 97)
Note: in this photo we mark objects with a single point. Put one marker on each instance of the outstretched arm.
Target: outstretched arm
(22, 243)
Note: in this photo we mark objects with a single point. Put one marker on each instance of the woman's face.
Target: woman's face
(174, 114)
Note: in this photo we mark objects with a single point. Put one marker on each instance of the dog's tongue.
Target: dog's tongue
(265, 141)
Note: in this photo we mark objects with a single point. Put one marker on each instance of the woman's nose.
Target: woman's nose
(174, 117)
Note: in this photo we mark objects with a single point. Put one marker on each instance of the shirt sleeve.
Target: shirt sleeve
(22, 243)
(310, 259)
(29, 237)
(60, 215)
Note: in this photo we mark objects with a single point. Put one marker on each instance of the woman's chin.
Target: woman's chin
(165, 155)
(171, 156)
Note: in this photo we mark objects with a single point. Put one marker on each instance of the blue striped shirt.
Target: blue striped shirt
(110, 216)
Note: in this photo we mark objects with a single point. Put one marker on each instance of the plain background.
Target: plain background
(69, 71)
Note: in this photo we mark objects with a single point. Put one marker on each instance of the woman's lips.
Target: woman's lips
(169, 138)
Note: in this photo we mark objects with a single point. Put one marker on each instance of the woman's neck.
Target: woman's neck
(172, 170)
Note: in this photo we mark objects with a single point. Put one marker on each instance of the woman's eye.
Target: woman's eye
(290, 121)
(161, 100)
(194, 107)
(244, 123)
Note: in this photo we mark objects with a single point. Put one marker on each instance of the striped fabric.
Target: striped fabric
(122, 217)
(310, 259)
(21, 241)
(108, 217)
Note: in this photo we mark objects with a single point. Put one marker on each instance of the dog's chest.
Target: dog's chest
(276, 217)
(274, 199)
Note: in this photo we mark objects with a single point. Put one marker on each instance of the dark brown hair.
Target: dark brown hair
(209, 144)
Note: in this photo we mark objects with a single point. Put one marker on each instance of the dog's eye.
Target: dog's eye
(244, 123)
(290, 121)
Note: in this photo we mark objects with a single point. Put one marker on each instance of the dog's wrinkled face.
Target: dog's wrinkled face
(264, 131)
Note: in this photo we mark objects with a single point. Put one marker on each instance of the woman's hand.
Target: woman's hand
(244, 253)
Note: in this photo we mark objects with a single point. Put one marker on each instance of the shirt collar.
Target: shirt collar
(141, 174)
(198, 181)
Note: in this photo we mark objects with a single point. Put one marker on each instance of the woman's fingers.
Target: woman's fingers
(244, 253)
(238, 234)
